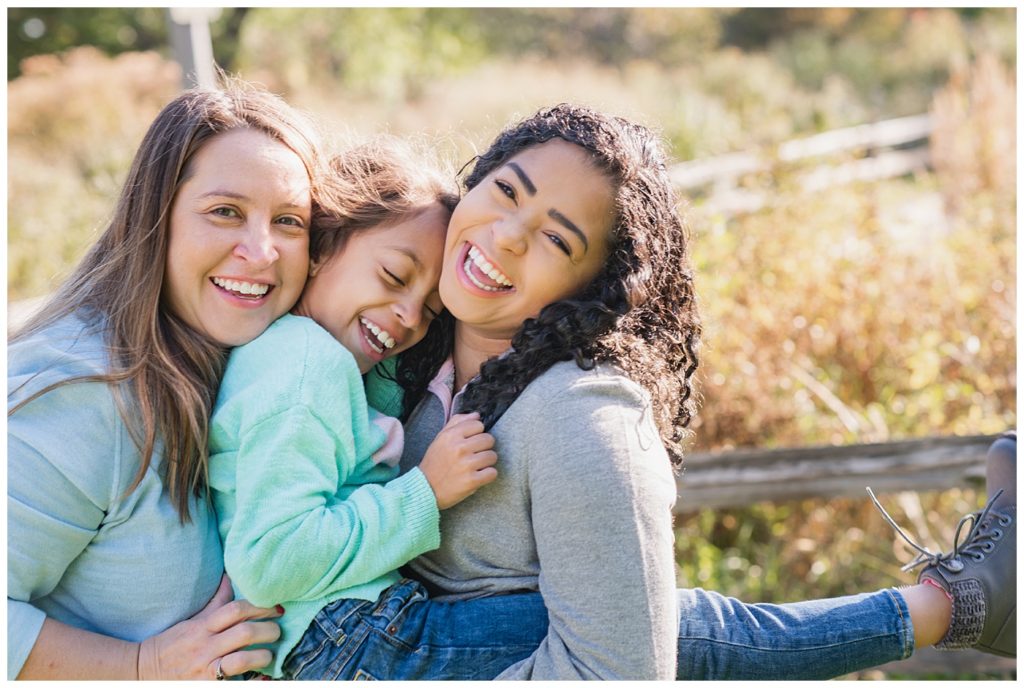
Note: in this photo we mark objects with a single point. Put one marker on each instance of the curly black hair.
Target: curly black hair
(640, 312)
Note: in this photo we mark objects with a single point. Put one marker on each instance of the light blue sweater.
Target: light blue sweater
(78, 549)
(306, 515)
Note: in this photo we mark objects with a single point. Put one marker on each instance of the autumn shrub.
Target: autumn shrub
(862, 313)
(73, 123)
(974, 140)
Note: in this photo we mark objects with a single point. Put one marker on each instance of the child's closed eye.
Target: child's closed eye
(393, 279)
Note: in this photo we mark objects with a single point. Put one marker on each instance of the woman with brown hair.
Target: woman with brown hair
(115, 567)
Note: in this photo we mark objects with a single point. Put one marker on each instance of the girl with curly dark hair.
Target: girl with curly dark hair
(576, 337)
(566, 269)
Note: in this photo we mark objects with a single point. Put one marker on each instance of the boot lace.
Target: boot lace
(980, 539)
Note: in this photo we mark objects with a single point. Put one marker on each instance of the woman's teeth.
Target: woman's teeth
(243, 288)
(383, 338)
(474, 257)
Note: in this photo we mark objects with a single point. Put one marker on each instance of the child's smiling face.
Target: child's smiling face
(378, 294)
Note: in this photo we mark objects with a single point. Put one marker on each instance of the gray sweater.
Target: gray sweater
(581, 511)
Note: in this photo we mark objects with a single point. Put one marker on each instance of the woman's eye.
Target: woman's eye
(505, 189)
(223, 211)
(557, 241)
(292, 221)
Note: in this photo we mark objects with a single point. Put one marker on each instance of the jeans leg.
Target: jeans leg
(406, 636)
(721, 638)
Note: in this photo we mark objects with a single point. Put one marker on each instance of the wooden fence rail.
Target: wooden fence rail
(743, 477)
(890, 149)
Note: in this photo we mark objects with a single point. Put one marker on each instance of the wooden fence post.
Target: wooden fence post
(192, 45)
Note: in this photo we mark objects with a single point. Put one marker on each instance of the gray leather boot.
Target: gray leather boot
(981, 571)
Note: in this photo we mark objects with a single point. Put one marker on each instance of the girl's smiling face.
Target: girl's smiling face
(533, 231)
(378, 294)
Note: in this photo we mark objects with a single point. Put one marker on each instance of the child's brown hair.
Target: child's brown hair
(379, 183)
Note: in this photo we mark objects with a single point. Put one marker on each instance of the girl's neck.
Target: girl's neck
(470, 351)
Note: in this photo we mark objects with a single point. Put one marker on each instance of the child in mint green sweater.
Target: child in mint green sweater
(304, 473)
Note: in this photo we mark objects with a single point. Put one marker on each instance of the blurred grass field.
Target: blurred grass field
(895, 298)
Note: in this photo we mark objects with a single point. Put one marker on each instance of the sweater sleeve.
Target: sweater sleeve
(299, 531)
(601, 503)
(56, 495)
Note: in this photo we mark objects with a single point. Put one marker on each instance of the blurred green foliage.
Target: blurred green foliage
(42, 30)
(384, 53)
(113, 30)
(873, 46)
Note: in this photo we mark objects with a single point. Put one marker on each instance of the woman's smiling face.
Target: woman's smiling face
(533, 231)
(239, 237)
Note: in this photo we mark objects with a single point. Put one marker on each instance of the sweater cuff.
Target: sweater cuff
(24, 622)
(420, 508)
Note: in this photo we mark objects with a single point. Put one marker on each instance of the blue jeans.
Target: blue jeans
(721, 638)
(404, 635)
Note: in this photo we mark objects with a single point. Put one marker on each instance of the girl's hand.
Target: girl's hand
(460, 460)
(215, 637)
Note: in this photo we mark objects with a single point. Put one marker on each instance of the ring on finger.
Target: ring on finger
(220, 672)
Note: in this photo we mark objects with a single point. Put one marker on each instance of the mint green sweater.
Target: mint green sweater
(305, 513)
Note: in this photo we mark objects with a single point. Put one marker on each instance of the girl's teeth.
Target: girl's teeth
(474, 280)
(485, 267)
(382, 336)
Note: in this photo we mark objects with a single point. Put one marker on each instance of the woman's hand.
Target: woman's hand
(215, 637)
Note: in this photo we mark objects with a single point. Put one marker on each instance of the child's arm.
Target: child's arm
(293, 538)
(291, 440)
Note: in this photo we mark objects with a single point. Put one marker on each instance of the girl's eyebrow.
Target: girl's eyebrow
(571, 226)
(530, 188)
(408, 253)
(553, 214)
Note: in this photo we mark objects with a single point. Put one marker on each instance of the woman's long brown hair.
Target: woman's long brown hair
(163, 374)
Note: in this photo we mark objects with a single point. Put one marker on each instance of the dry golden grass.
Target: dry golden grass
(73, 125)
